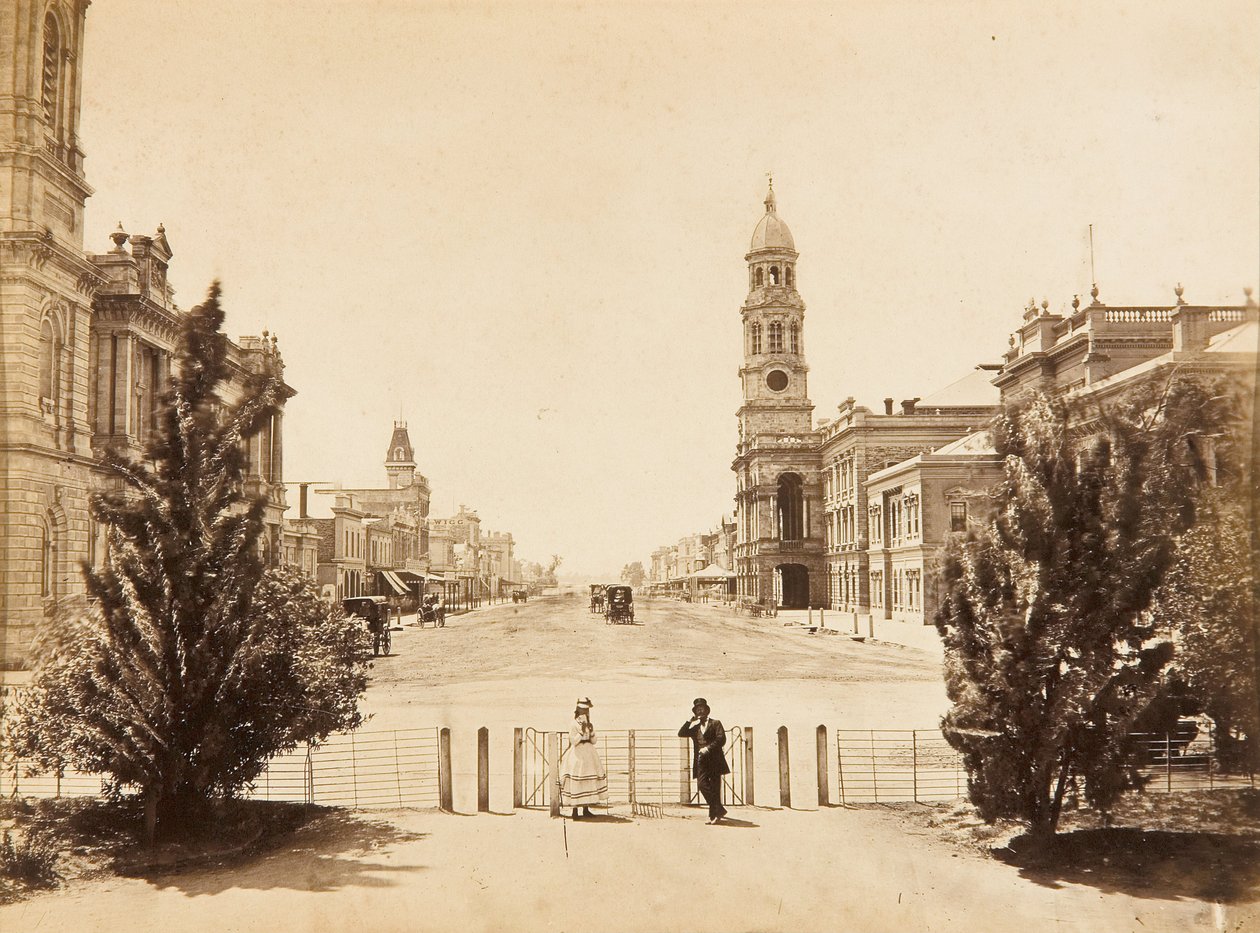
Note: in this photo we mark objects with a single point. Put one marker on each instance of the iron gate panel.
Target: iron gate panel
(643, 766)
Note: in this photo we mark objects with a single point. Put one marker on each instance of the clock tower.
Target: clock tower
(779, 550)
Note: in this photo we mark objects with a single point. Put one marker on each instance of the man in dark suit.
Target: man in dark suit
(708, 763)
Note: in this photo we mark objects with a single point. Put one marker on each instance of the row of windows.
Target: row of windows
(842, 527)
(774, 338)
(907, 590)
(904, 522)
(841, 479)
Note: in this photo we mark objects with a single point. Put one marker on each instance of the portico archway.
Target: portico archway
(793, 586)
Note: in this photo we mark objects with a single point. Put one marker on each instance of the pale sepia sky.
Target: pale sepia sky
(523, 225)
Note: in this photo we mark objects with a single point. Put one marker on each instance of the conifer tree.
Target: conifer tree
(1050, 651)
(1208, 599)
(193, 667)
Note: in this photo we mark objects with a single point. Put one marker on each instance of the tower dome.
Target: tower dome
(771, 232)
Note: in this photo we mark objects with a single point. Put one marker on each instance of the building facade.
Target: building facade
(86, 340)
(404, 500)
(801, 519)
(778, 498)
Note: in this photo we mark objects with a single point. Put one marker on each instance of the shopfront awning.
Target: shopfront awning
(409, 577)
(394, 583)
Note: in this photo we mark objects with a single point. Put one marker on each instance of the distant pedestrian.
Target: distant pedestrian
(708, 762)
(583, 779)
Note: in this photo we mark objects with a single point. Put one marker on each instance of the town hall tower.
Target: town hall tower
(779, 549)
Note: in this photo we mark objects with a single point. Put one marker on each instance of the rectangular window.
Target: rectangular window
(958, 516)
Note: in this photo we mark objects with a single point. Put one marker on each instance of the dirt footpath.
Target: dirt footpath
(769, 870)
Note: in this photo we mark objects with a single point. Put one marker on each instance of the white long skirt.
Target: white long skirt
(583, 780)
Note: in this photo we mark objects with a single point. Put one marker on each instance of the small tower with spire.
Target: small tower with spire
(400, 459)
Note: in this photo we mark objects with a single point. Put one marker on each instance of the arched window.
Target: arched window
(756, 337)
(398, 453)
(49, 365)
(52, 67)
(776, 337)
(788, 277)
(796, 339)
(758, 279)
(791, 507)
(774, 275)
(48, 559)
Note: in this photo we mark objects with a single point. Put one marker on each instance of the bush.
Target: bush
(32, 860)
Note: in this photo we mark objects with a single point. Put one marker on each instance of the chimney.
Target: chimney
(302, 500)
(907, 405)
(888, 406)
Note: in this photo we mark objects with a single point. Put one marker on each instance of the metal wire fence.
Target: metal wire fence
(888, 765)
(387, 768)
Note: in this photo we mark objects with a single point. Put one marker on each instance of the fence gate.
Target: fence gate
(643, 765)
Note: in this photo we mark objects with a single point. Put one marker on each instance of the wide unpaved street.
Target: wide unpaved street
(795, 869)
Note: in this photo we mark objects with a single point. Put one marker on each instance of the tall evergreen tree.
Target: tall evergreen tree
(194, 667)
(1050, 653)
(1208, 600)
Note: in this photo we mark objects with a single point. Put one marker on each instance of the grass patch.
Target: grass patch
(64, 840)
(1196, 844)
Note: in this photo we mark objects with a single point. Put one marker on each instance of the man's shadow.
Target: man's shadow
(600, 818)
(736, 823)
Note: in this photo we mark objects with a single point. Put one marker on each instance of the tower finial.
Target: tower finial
(770, 202)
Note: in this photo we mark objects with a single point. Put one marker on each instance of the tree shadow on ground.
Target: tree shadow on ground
(1144, 863)
(333, 851)
(253, 845)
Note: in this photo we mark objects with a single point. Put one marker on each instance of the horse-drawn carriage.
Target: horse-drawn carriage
(597, 597)
(520, 596)
(619, 604)
(374, 610)
(432, 610)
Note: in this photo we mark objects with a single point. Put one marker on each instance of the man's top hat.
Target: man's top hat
(699, 702)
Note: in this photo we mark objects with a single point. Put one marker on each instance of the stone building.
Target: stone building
(860, 442)
(1095, 353)
(800, 505)
(405, 499)
(86, 340)
(779, 550)
(915, 506)
(343, 550)
(1097, 344)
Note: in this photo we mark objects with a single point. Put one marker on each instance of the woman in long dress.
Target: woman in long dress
(583, 780)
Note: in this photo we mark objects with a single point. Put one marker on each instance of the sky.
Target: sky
(521, 227)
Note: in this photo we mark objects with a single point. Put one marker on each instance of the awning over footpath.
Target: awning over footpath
(394, 583)
(712, 572)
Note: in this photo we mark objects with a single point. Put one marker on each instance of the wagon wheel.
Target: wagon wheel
(386, 640)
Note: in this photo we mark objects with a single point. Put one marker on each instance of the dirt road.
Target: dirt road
(512, 665)
(836, 870)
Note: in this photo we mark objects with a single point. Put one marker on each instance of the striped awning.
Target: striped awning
(393, 581)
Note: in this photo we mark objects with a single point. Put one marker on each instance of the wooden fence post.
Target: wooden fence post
(824, 790)
(445, 801)
(785, 770)
(748, 765)
(518, 768)
(552, 752)
(483, 770)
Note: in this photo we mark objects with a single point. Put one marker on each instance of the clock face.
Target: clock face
(777, 380)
